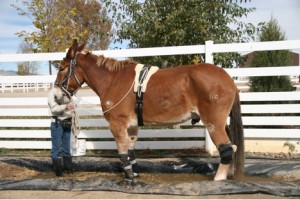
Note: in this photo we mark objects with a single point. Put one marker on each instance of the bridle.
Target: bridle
(71, 72)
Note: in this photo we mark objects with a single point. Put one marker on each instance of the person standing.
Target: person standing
(61, 107)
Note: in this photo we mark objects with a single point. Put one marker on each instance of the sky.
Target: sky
(286, 12)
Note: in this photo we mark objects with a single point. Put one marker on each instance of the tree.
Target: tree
(58, 21)
(271, 32)
(156, 23)
(27, 68)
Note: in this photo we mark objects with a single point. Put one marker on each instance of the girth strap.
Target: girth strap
(139, 94)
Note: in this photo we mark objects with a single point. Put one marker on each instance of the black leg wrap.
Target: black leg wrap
(126, 166)
(132, 160)
(226, 153)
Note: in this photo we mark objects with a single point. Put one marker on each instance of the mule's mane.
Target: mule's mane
(112, 64)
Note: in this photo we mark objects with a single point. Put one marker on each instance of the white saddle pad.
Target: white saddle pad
(138, 69)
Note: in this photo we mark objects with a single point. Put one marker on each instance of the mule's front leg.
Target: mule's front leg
(121, 138)
(132, 133)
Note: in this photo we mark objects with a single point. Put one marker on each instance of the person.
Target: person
(61, 107)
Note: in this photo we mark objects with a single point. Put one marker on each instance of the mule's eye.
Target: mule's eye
(63, 65)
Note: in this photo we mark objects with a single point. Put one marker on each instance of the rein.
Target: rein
(64, 84)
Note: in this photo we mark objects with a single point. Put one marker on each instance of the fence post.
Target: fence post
(209, 145)
(208, 51)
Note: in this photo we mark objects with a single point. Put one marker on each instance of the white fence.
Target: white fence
(24, 124)
(267, 126)
(26, 83)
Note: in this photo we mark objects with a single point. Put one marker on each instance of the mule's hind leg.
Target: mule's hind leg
(231, 168)
(132, 133)
(221, 140)
(226, 153)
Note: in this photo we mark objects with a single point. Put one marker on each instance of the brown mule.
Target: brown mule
(173, 95)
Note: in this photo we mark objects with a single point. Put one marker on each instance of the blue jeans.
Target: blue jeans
(60, 141)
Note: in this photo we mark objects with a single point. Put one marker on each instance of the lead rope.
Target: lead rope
(75, 126)
(111, 107)
(121, 99)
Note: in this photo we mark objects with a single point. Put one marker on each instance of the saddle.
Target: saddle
(142, 76)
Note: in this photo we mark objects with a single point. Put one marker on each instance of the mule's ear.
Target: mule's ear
(81, 47)
(73, 50)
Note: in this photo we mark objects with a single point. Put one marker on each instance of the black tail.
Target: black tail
(237, 138)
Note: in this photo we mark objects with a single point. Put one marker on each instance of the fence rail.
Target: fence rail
(270, 119)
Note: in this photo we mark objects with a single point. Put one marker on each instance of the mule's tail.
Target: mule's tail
(237, 138)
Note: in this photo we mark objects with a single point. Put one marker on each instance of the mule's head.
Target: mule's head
(69, 77)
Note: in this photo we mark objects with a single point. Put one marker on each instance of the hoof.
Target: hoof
(130, 182)
(127, 182)
(220, 178)
(222, 172)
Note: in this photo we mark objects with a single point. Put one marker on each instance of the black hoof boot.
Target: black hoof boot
(57, 166)
(129, 175)
(135, 170)
(133, 163)
(127, 167)
(68, 164)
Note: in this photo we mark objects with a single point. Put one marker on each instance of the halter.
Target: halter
(71, 72)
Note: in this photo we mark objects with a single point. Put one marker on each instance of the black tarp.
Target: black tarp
(265, 169)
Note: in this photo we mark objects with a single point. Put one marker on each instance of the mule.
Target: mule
(174, 95)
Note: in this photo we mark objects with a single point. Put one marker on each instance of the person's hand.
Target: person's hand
(70, 106)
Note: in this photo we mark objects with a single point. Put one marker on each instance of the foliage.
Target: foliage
(27, 68)
(158, 23)
(291, 146)
(58, 21)
(271, 32)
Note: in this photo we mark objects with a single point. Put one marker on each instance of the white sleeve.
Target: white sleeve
(55, 108)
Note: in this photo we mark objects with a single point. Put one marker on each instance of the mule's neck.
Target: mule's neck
(97, 78)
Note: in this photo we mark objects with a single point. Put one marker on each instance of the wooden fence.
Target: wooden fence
(271, 119)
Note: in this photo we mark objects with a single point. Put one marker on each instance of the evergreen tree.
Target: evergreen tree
(271, 32)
